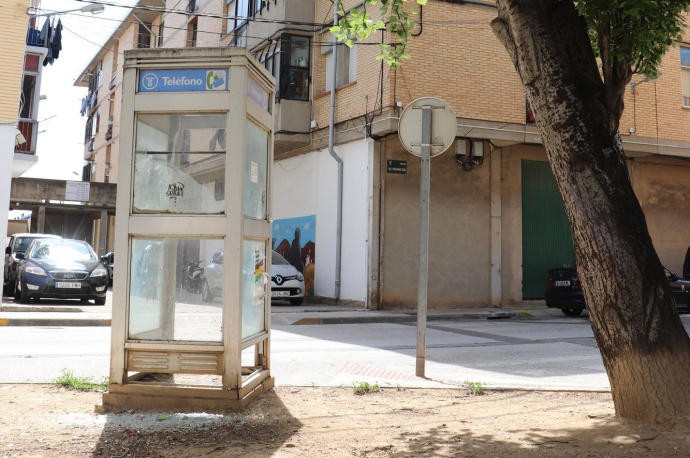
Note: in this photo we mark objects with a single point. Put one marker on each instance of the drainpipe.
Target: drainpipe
(339, 160)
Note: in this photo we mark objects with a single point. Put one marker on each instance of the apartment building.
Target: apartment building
(497, 220)
(141, 28)
(13, 21)
(20, 85)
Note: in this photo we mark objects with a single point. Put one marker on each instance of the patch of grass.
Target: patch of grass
(475, 388)
(71, 381)
(365, 388)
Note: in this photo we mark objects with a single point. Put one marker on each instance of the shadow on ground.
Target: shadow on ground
(606, 438)
(259, 430)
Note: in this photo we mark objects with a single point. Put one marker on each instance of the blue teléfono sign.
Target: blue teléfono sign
(183, 80)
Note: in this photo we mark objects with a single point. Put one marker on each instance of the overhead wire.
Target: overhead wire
(313, 43)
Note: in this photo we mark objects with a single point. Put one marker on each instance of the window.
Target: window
(240, 37)
(241, 13)
(178, 158)
(144, 35)
(191, 32)
(685, 75)
(116, 51)
(99, 75)
(192, 5)
(161, 31)
(529, 114)
(86, 172)
(294, 67)
(31, 62)
(28, 97)
(229, 12)
(347, 64)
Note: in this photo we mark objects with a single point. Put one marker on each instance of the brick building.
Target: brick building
(497, 221)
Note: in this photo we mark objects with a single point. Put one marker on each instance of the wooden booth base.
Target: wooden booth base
(179, 399)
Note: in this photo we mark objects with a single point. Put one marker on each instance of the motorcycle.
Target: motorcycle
(193, 274)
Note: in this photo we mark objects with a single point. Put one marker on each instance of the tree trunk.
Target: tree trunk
(643, 344)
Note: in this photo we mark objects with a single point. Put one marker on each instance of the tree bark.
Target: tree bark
(645, 349)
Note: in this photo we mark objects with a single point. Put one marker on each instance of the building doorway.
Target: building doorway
(546, 239)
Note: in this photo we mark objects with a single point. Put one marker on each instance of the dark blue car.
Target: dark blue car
(564, 291)
(61, 269)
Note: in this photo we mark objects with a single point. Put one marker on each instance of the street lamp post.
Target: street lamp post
(91, 8)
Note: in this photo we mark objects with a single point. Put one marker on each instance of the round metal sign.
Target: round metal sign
(443, 126)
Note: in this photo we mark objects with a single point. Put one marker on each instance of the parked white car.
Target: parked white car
(286, 281)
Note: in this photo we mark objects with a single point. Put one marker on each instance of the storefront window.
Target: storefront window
(176, 290)
(178, 160)
(254, 284)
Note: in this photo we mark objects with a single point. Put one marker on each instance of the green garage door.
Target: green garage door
(546, 238)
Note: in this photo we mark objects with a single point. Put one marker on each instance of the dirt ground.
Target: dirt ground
(44, 420)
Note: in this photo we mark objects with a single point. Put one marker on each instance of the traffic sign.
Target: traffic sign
(443, 126)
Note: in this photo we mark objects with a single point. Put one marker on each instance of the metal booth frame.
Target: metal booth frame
(133, 358)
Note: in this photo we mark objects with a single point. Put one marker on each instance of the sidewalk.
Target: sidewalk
(67, 313)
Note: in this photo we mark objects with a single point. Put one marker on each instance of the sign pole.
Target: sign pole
(423, 278)
(444, 126)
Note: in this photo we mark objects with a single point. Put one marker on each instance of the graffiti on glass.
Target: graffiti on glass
(174, 191)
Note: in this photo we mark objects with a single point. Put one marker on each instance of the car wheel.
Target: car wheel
(84, 300)
(100, 300)
(206, 292)
(297, 301)
(572, 311)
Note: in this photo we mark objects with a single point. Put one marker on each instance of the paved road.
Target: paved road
(549, 353)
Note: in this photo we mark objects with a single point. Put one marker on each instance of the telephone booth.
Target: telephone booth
(191, 298)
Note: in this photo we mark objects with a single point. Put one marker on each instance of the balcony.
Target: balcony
(33, 38)
(28, 129)
(292, 124)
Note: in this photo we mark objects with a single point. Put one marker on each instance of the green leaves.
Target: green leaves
(394, 18)
(634, 33)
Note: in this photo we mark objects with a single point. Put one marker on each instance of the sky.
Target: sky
(60, 143)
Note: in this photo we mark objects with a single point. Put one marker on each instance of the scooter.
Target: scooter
(193, 274)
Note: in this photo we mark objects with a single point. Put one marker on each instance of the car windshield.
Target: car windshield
(66, 250)
(277, 259)
(23, 243)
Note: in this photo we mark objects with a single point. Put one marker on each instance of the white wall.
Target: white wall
(6, 155)
(307, 185)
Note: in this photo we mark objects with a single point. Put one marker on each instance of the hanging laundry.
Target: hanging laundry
(56, 40)
(49, 38)
(44, 37)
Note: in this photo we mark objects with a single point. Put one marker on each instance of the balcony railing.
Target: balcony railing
(28, 129)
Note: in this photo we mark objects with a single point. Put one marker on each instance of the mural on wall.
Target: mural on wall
(294, 239)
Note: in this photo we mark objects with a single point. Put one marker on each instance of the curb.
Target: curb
(58, 322)
(411, 318)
